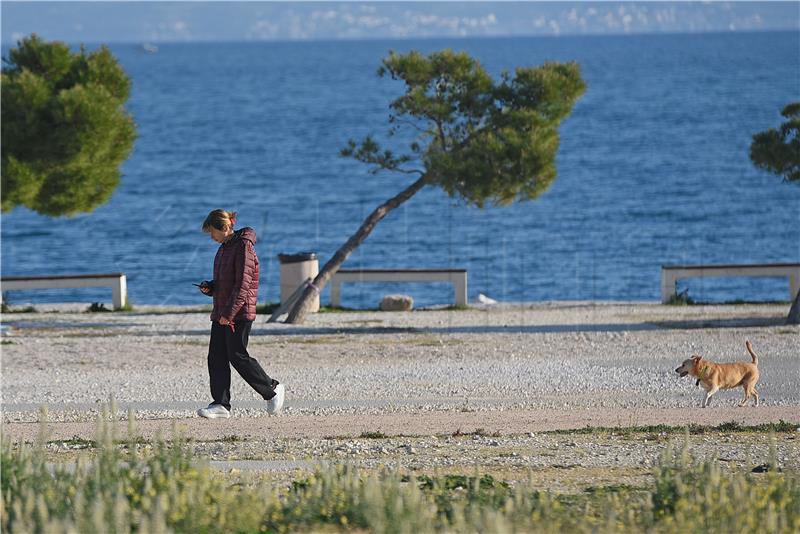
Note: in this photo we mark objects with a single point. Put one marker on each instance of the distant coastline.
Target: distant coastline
(453, 38)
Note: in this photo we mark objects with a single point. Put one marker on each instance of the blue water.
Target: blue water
(653, 169)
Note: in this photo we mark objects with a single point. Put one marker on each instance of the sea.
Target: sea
(653, 169)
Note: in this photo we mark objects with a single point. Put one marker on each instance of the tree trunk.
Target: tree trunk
(794, 311)
(299, 311)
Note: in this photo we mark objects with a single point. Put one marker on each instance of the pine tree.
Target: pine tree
(65, 131)
(482, 141)
(778, 152)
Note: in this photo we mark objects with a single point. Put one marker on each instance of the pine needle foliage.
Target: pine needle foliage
(778, 150)
(64, 127)
(482, 141)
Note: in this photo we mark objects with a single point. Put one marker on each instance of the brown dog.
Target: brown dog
(716, 376)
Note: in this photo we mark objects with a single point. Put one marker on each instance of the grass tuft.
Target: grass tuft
(126, 307)
(681, 298)
(373, 435)
(781, 427)
(163, 488)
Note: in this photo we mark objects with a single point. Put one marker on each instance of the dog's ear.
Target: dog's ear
(696, 358)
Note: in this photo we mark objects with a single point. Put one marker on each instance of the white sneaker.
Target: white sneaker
(214, 411)
(275, 404)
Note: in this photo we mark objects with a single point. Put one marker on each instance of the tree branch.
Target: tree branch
(442, 138)
(410, 171)
(410, 123)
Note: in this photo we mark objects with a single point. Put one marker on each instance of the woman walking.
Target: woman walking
(235, 292)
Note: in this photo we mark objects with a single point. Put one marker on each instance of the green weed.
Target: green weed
(126, 307)
(680, 299)
(97, 307)
(26, 309)
(780, 427)
(373, 435)
(162, 488)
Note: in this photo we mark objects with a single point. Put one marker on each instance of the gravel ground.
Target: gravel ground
(505, 370)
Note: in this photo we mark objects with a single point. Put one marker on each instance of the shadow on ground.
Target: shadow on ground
(290, 330)
(741, 322)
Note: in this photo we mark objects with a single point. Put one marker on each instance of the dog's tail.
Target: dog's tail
(750, 350)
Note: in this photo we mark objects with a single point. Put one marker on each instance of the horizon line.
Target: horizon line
(418, 38)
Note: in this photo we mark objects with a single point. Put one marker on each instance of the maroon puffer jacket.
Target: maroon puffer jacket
(235, 284)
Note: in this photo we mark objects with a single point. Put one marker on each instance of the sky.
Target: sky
(93, 22)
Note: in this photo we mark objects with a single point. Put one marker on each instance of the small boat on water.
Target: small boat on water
(150, 48)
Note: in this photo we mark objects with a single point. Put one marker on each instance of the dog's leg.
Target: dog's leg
(707, 400)
(749, 391)
(746, 396)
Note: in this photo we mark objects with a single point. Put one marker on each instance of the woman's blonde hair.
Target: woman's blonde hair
(218, 219)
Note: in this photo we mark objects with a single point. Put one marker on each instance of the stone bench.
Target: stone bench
(457, 277)
(116, 281)
(670, 274)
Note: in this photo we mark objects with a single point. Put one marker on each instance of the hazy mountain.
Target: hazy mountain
(237, 21)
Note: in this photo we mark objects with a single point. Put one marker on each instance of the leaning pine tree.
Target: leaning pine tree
(778, 151)
(478, 140)
(64, 128)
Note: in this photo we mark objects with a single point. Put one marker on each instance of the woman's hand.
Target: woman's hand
(225, 322)
(204, 287)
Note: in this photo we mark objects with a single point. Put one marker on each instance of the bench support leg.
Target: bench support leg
(336, 294)
(668, 281)
(120, 290)
(460, 287)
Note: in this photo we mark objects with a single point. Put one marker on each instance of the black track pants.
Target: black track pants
(229, 347)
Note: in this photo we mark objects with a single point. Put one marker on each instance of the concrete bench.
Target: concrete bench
(457, 277)
(670, 274)
(116, 281)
